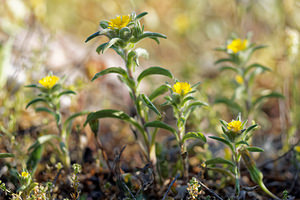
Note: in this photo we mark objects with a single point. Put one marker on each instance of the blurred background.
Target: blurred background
(42, 36)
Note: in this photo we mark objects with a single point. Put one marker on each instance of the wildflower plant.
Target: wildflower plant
(194, 189)
(28, 189)
(123, 33)
(27, 184)
(245, 99)
(237, 136)
(75, 181)
(183, 104)
(51, 91)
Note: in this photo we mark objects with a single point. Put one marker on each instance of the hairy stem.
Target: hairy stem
(136, 102)
(237, 174)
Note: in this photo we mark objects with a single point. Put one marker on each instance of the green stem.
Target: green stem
(153, 137)
(183, 149)
(265, 189)
(237, 174)
(184, 158)
(63, 134)
(134, 91)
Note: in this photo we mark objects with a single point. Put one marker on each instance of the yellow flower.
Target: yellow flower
(239, 79)
(119, 22)
(24, 174)
(237, 45)
(182, 88)
(49, 81)
(182, 23)
(235, 126)
(297, 149)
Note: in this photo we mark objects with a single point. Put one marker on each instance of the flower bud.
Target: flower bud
(125, 33)
(255, 174)
(234, 129)
(104, 24)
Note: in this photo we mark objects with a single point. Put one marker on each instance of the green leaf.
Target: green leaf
(219, 161)
(34, 158)
(92, 36)
(244, 122)
(196, 85)
(158, 91)
(155, 39)
(188, 98)
(255, 149)
(132, 60)
(66, 92)
(151, 35)
(104, 24)
(229, 103)
(72, 117)
(33, 86)
(241, 142)
(140, 52)
(222, 170)
(119, 51)
(256, 65)
(223, 60)
(139, 16)
(101, 47)
(225, 136)
(229, 68)
(7, 155)
(117, 70)
(271, 95)
(196, 104)
(56, 87)
(94, 125)
(257, 48)
(196, 135)
(160, 124)
(110, 43)
(223, 141)
(224, 123)
(221, 49)
(154, 71)
(149, 104)
(55, 115)
(35, 101)
(63, 147)
(117, 114)
(44, 109)
(42, 140)
(250, 128)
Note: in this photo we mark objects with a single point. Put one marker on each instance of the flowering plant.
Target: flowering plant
(245, 99)
(237, 137)
(183, 104)
(123, 33)
(51, 90)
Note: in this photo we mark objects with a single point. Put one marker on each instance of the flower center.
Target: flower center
(235, 126)
(181, 88)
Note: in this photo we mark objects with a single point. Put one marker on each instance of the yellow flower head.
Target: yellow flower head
(119, 22)
(235, 126)
(237, 45)
(297, 149)
(49, 81)
(181, 88)
(24, 174)
(182, 23)
(239, 79)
